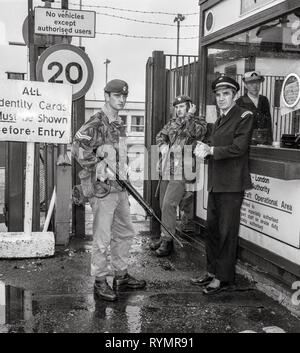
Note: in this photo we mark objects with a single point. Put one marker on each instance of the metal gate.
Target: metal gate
(167, 76)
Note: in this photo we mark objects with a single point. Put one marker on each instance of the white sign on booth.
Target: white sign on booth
(35, 111)
(271, 209)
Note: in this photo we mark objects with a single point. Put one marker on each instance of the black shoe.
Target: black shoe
(103, 291)
(128, 281)
(202, 281)
(221, 288)
(165, 249)
(155, 244)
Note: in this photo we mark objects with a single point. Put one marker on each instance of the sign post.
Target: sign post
(33, 112)
(64, 63)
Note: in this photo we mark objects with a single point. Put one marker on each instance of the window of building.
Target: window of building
(273, 49)
(124, 120)
(15, 75)
(137, 123)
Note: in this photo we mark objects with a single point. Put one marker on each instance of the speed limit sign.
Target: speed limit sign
(65, 63)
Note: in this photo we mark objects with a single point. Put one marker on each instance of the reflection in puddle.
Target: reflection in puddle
(134, 320)
(125, 313)
(15, 304)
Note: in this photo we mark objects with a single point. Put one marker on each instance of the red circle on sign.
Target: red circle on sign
(88, 78)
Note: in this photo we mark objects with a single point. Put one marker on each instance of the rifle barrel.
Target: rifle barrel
(132, 191)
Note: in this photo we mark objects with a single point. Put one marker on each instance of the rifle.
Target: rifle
(125, 184)
(165, 165)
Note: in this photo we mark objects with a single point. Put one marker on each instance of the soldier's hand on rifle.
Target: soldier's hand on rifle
(164, 149)
(100, 152)
(124, 170)
(102, 173)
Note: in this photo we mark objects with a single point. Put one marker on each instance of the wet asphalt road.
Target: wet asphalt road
(56, 295)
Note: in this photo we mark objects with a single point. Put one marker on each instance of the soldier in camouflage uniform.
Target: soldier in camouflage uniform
(182, 130)
(101, 137)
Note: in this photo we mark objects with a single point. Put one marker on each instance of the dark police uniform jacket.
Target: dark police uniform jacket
(261, 114)
(228, 169)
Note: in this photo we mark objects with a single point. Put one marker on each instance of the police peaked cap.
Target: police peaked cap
(253, 76)
(225, 82)
(116, 86)
(181, 99)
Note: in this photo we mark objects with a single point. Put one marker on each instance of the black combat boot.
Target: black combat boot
(128, 282)
(103, 290)
(165, 248)
(155, 244)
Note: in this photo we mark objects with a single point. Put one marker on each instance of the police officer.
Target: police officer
(182, 130)
(260, 107)
(228, 178)
(112, 225)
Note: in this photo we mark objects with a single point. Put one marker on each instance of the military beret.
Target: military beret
(116, 86)
(181, 99)
(225, 82)
(253, 76)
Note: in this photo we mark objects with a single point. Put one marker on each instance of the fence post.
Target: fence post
(78, 212)
(156, 115)
(63, 199)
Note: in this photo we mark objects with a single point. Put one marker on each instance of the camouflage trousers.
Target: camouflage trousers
(173, 194)
(112, 228)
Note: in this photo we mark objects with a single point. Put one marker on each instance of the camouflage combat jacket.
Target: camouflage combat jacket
(180, 132)
(96, 132)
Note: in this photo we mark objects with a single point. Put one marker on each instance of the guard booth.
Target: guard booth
(167, 76)
(264, 36)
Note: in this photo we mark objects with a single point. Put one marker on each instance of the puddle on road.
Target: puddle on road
(15, 304)
(17, 307)
(134, 312)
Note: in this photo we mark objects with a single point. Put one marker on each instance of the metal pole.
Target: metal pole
(106, 62)
(106, 65)
(178, 34)
(179, 18)
(30, 145)
(80, 7)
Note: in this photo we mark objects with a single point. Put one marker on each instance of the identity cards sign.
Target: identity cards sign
(35, 111)
(75, 23)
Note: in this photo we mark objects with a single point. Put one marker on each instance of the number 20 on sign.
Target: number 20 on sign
(65, 63)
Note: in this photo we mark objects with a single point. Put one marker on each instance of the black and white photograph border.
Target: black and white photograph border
(149, 169)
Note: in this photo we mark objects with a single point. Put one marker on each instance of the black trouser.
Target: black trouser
(223, 221)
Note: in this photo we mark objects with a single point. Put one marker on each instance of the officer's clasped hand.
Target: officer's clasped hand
(202, 150)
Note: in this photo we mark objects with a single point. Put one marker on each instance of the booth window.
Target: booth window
(137, 123)
(273, 49)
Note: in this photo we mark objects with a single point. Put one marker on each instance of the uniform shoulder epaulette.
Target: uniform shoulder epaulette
(245, 114)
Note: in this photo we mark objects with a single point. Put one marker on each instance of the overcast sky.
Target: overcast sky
(128, 55)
